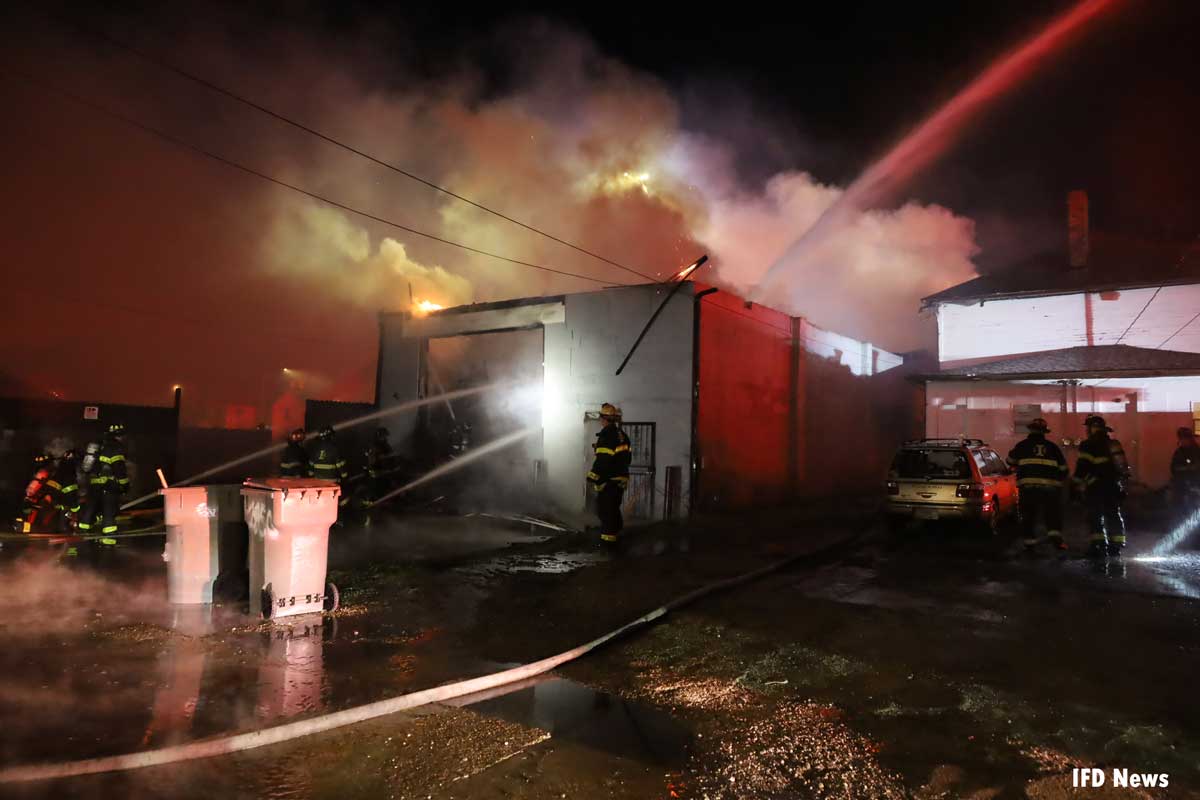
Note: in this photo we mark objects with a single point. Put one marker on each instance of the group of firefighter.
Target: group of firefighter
(322, 459)
(69, 492)
(1101, 475)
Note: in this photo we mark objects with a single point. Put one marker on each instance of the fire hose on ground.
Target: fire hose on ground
(351, 716)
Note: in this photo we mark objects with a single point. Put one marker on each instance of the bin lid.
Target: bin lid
(288, 484)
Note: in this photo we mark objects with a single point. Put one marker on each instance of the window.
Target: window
(992, 463)
(931, 464)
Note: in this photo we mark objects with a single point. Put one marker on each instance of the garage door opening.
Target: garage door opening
(506, 480)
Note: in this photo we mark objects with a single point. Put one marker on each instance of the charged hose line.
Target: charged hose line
(350, 423)
(351, 716)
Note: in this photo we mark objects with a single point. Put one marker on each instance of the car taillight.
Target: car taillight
(971, 491)
(893, 487)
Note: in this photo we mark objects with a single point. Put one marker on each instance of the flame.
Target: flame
(425, 306)
(618, 184)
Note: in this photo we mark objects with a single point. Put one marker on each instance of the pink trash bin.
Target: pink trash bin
(289, 521)
(194, 516)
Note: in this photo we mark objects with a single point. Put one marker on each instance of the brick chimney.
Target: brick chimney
(1077, 229)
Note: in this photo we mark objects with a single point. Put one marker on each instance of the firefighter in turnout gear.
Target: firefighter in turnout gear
(610, 472)
(37, 506)
(108, 479)
(325, 462)
(65, 483)
(1102, 471)
(381, 463)
(1185, 472)
(294, 463)
(1041, 470)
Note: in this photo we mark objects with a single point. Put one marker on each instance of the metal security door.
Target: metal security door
(639, 497)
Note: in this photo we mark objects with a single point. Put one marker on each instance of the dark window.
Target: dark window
(931, 464)
(990, 464)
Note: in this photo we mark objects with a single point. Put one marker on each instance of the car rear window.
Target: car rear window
(931, 464)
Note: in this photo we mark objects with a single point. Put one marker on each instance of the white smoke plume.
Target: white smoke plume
(593, 152)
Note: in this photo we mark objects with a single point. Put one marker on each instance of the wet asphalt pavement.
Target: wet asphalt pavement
(938, 664)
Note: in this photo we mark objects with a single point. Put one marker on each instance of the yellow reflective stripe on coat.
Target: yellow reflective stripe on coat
(112, 459)
(605, 451)
(621, 448)
(593, 476)
(1039, 482)
(1093, 459)
(54, 485)
(323, 466)
(1040, 462)
(621, 479)
(100, 479)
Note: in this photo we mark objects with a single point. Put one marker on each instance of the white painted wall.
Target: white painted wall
(862, 358)
(582, 355)
(999, 328)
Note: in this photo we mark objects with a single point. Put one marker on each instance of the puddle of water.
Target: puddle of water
(571, 711)
(553, 564)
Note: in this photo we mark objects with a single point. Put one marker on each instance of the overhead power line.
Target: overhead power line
(9, 73)
(215, 87)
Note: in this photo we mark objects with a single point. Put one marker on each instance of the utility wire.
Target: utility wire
(1139, 315)
(170, 67)
(9, 72)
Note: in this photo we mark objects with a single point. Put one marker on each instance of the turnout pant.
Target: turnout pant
(100, 511)
(608, 508)
(1105, 518)
(1045, 503)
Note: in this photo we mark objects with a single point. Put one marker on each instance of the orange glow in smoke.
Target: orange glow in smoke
(425, 306)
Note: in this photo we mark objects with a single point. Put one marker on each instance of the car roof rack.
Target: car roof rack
(945, 443)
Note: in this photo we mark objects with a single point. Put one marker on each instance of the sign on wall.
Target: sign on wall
(91, 412)
(1023, 414)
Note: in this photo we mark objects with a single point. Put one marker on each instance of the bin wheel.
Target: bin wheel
(268, 603)
(332, 598)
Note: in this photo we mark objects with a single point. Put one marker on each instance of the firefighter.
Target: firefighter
(108, 479)
(1102, 471)
(324, 461)
(37, 507)
(1041, 469)
(65, 483)
(381, 463)
(1185, 471)
(294, 463)
(610, 473)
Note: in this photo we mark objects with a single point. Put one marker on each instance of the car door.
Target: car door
(1006, 481)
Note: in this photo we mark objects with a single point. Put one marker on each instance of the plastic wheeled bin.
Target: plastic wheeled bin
(195, 517)
(289, 521)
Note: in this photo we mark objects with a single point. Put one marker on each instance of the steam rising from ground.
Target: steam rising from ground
(593, 152)
(42, 594)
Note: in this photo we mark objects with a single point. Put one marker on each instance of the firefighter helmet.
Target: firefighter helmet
(296, 436)
(41, 458)
(116, 429)
(1096, 421)
(69, 454)
(1038, 425)
(1185, 433)
(610, 412)
(326, 432)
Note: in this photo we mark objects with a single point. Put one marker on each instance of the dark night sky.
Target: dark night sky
(825, 89)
